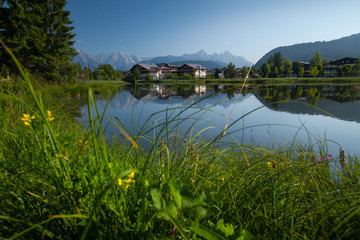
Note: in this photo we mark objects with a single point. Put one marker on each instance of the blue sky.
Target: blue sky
(150, 28)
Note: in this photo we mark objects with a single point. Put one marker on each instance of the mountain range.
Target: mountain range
(344, 47)
(123, 61)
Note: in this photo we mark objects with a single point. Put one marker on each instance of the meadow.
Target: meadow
(61, 181)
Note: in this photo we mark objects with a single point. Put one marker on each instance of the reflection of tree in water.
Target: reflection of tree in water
(230, 91)
(346, 94)
(186, 90)
(296, 93)
(313, 95)
(354, 94)
(274, 95)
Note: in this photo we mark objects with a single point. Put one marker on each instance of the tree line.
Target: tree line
(280, 67)
(102, 72)
(40, 35)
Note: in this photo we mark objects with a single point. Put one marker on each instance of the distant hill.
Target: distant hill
(124, 62)
(343, 47)
(207, 64)
(222, 59)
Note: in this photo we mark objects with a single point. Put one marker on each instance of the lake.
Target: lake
(272, 116)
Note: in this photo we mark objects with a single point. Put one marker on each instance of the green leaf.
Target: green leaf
(242, 235)
(159, 202)
(171, 209)
(227, 229)
(202, 232)
(175, 194)
(200, 213)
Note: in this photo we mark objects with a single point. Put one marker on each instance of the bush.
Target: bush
(149, 77)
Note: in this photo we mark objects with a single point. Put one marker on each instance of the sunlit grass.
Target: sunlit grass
(60, 181)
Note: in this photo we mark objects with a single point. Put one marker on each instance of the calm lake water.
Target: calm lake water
(266, 115)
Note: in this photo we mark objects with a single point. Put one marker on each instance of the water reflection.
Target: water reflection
(278, 108)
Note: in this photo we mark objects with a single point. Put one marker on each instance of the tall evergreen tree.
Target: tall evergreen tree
(230, 70)
(40, 35)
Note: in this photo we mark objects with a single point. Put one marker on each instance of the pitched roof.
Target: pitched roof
(196, 66)
(159, 65)
(148, 65)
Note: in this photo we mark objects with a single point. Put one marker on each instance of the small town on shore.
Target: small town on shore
(346, 66)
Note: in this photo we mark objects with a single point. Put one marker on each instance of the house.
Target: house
(195, 70)
(147, 68)
(331, 68)
(159, 71)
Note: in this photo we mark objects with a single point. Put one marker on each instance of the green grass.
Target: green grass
(60, 181)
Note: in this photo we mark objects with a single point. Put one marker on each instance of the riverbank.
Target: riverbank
(60, 180)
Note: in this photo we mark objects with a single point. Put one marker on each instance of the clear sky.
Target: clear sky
(149, 28)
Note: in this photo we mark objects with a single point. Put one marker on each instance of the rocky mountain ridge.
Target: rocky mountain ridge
(124, 62)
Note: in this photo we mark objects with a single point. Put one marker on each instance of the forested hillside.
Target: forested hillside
(343, 47)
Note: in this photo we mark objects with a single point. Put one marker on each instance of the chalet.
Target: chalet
(147, 68)
(331, 68)
(195, 70)
(164, 69)
(160, 70)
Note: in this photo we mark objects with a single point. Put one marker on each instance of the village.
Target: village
(163, 70)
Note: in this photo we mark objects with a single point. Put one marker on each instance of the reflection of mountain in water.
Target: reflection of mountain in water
(341, 110)
(340, 101)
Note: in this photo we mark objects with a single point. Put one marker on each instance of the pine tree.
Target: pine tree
(40, 35)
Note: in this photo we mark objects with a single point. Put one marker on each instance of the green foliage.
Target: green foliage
(301, 71)
(40, 35)
(265, 69)
(64, 182)
(106, 72)
(136, 74)
(316, 63)
(314, 72)
(287, 67)
(279, 66)
(230, 71)
(347, 46)
(244, 71)
(186, 76)
(149, 77)
(216, 74)
(171, 76)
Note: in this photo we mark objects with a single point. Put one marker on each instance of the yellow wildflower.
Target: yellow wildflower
(50, 117)
(26, 119)
(130, 181)
(269, 164)
(120, 181)
(132, 175)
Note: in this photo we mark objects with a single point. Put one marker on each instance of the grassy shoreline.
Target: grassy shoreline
(61, 181)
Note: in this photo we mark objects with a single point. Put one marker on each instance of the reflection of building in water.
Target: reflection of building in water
(165, 93)
(200, 89)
